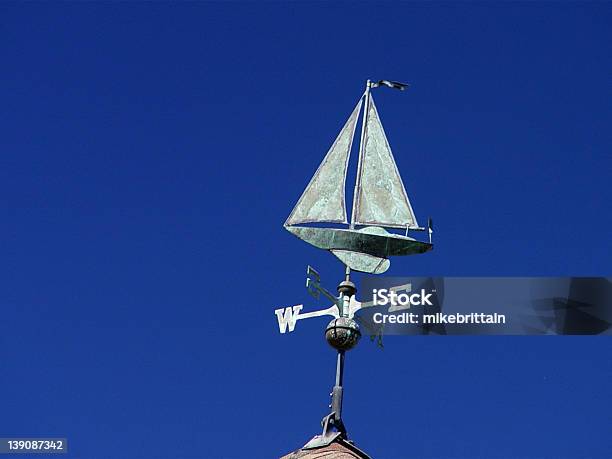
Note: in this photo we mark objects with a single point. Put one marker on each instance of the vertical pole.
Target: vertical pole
(340, 368)
(361, 147)
(336, 405)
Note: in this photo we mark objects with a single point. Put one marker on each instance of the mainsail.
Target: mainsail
(323, 199)
(380, 196)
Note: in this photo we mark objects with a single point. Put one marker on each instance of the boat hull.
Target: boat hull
(373, 241)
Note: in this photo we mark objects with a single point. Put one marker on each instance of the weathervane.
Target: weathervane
(379, 201)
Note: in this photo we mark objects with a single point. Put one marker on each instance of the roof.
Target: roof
(339, 448)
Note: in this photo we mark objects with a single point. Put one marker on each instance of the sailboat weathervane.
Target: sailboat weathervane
(379, 201)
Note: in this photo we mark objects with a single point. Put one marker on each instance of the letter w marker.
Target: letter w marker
(289, 317)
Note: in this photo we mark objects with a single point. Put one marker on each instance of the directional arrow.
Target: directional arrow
(288, 317)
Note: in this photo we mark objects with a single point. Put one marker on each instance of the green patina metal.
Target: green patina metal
(373, 241)
(379, 200)
(362, 262)
(323, 198)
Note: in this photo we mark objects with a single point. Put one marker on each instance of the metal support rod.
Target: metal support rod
(337, 392)
(340, 368)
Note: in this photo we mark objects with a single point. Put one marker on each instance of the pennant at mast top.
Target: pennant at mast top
(379, 198)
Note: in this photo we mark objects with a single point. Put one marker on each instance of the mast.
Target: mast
(347, 274)
(364, 123)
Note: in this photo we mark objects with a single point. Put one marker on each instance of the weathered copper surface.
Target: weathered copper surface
(379, 200)
(381, 196)
(323, 199)
(373, 240)
(342, 333)
(362, 262)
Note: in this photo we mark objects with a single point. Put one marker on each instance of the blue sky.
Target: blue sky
(149, 153)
